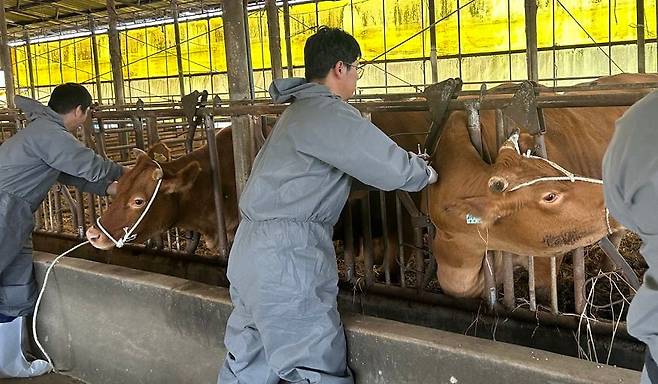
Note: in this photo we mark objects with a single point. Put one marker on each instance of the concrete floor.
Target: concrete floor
(51, 378)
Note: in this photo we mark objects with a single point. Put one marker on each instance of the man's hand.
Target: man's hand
(112, 188)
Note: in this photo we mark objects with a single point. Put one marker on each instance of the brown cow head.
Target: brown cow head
(544, 218)
(134, 191)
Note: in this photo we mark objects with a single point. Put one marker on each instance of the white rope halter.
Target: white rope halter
(568, 176)
(128, 233)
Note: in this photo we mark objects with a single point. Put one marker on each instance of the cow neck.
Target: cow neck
(456, 154)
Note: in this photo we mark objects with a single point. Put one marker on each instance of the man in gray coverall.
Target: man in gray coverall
(282, 266)
(30, 163)
(630, 184)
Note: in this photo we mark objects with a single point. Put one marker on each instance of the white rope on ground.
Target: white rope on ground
(36, 306)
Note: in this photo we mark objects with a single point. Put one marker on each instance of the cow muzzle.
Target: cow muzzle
(98, 240)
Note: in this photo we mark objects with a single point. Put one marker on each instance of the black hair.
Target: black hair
(67, 97)
(327, 47)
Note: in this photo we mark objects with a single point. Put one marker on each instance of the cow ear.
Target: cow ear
(182, 180)
(138, 152)
(159, 152)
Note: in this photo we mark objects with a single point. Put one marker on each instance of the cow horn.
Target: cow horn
(137, 152)
(512, 142)
(498, 184)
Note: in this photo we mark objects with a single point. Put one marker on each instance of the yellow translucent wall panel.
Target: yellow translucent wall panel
(217, 44)
(302, 24)
(156, 47)
(150, 52)
(134, 53)
(369, 27)
(259, 40)
(198, 57)
(446, 28)
(592, 15)
(332, 14)
(20, 66)
(402, 20)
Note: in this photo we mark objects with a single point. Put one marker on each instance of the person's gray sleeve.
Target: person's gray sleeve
(357, 147)
(62, 151)
(98, 188)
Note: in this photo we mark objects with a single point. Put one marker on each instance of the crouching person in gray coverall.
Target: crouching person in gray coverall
(630, 184)
(282, 266)
(30, 163)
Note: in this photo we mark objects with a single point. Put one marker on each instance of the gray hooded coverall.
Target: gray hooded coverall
(30, 163)
(282, 266)
(630, 184)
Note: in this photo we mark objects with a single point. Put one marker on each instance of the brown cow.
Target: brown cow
(544, 219)
(185, 199)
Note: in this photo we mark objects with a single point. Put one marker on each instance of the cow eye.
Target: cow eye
(138, 201)
(550, 197)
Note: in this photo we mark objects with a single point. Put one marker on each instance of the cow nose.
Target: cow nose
(93, 234)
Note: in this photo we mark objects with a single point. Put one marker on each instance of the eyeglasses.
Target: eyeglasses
(358, 68)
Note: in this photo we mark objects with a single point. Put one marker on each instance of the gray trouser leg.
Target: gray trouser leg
(245, 361)
(305, 341)
(17, 286)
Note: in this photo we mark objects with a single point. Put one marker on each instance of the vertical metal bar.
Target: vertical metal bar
(508, 266)
(239, 71)
(80, 213)
(94, 51)
(274, 38)
(401, 261)
(57, 208)
(433, 54)
(50, 210)
(179, 58)
(218, 195)
(641, 63)
(531, 283)
(509, 38)
(117, 69)
(152, 131)
(387, 254)
(553, 49)
(18, 72)
(115, 54)
(578, 257)
(177, 237)
(508, 280)
(610, 36)
(531, 38)
(349, 243)
(554, 308)
(385, 47)
(419, 259)
(5, 60)
(286, 28)
(459, 39)
(29, 63)
(367, 240)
